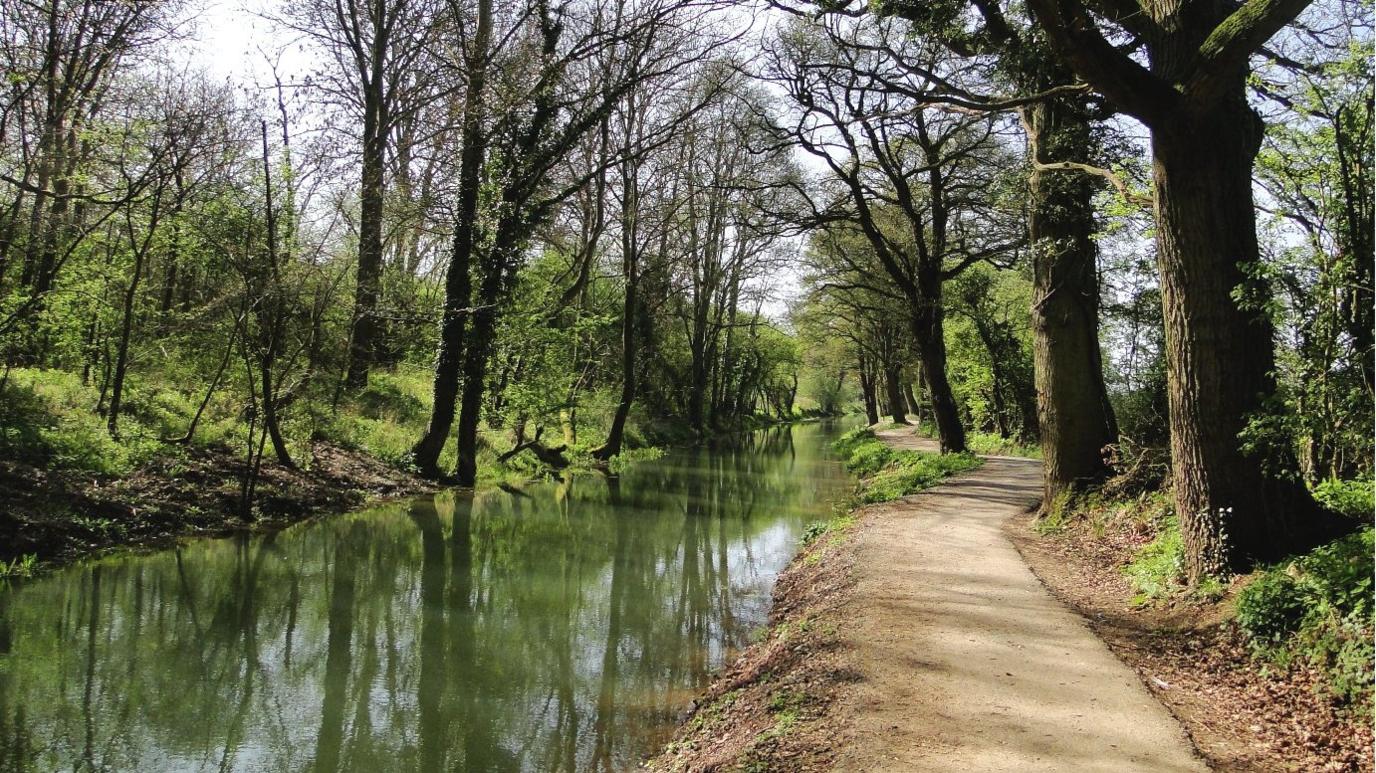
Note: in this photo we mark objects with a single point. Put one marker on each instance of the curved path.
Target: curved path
(967, 663)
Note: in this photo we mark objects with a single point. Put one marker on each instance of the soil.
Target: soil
(1241, 716)
(62, 515)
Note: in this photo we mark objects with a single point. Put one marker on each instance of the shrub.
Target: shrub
(993, 445)
(1318, 607)
(1355, 498)
(908, 472)
(851, 440)
(1270, 609)
(869, 459)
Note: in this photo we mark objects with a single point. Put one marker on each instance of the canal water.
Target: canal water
(562, 627)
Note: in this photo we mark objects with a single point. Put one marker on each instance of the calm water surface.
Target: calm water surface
(561, 628)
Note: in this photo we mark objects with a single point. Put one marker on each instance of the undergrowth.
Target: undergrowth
(992, 444)
(1317, 608)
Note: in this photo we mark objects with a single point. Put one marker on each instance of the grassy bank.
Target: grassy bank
(177, 466)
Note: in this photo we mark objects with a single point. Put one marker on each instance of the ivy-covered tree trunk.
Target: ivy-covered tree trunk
(458, 283)
(1073, 411)
(498, 274)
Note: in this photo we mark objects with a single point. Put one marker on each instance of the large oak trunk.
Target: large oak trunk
(1073, 412)
(1234, 508)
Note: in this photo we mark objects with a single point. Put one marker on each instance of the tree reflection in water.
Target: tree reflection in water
(560, 628)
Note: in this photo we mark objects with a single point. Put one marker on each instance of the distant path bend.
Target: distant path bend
(967, 663)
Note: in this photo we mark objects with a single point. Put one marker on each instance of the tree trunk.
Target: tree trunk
(1073, 414)
(458, 284)
(363, 341)
(1234, 508)
(270, 418)
(867, 393)
(630, 309)
(122, 352)
(628, 364)
(931, 349)
(479, 350)
(914, 407)
(893, 387)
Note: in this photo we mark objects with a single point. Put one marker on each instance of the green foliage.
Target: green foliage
(631, 456)
(989, 356)
(835, 527)
(991, 444)
(46, 418)
(869, 459)
(387, 417)
(1157, 570)
(20, 568)
(912, 471)
(1271, 609)
(814, 530)
(1354, 498)
(1318, 608)
(852, 439)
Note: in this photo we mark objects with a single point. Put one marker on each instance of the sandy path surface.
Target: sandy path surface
(968, 664)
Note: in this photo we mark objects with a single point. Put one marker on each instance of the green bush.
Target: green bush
(844, 445)
(1271, 609)
(993, 445)
(1355, 498)
(867, 460)
(911, 471)
(1318, 607)
(399, 396)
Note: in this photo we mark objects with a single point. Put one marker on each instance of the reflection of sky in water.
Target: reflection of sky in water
(564, 629)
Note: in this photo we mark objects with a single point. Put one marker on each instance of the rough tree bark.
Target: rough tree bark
(371, 192)
(1235, 508)
(929, 334)
(898, 404)
(866, 374)
(1073, 410)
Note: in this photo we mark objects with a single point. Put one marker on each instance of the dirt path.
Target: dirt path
(968, 664)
